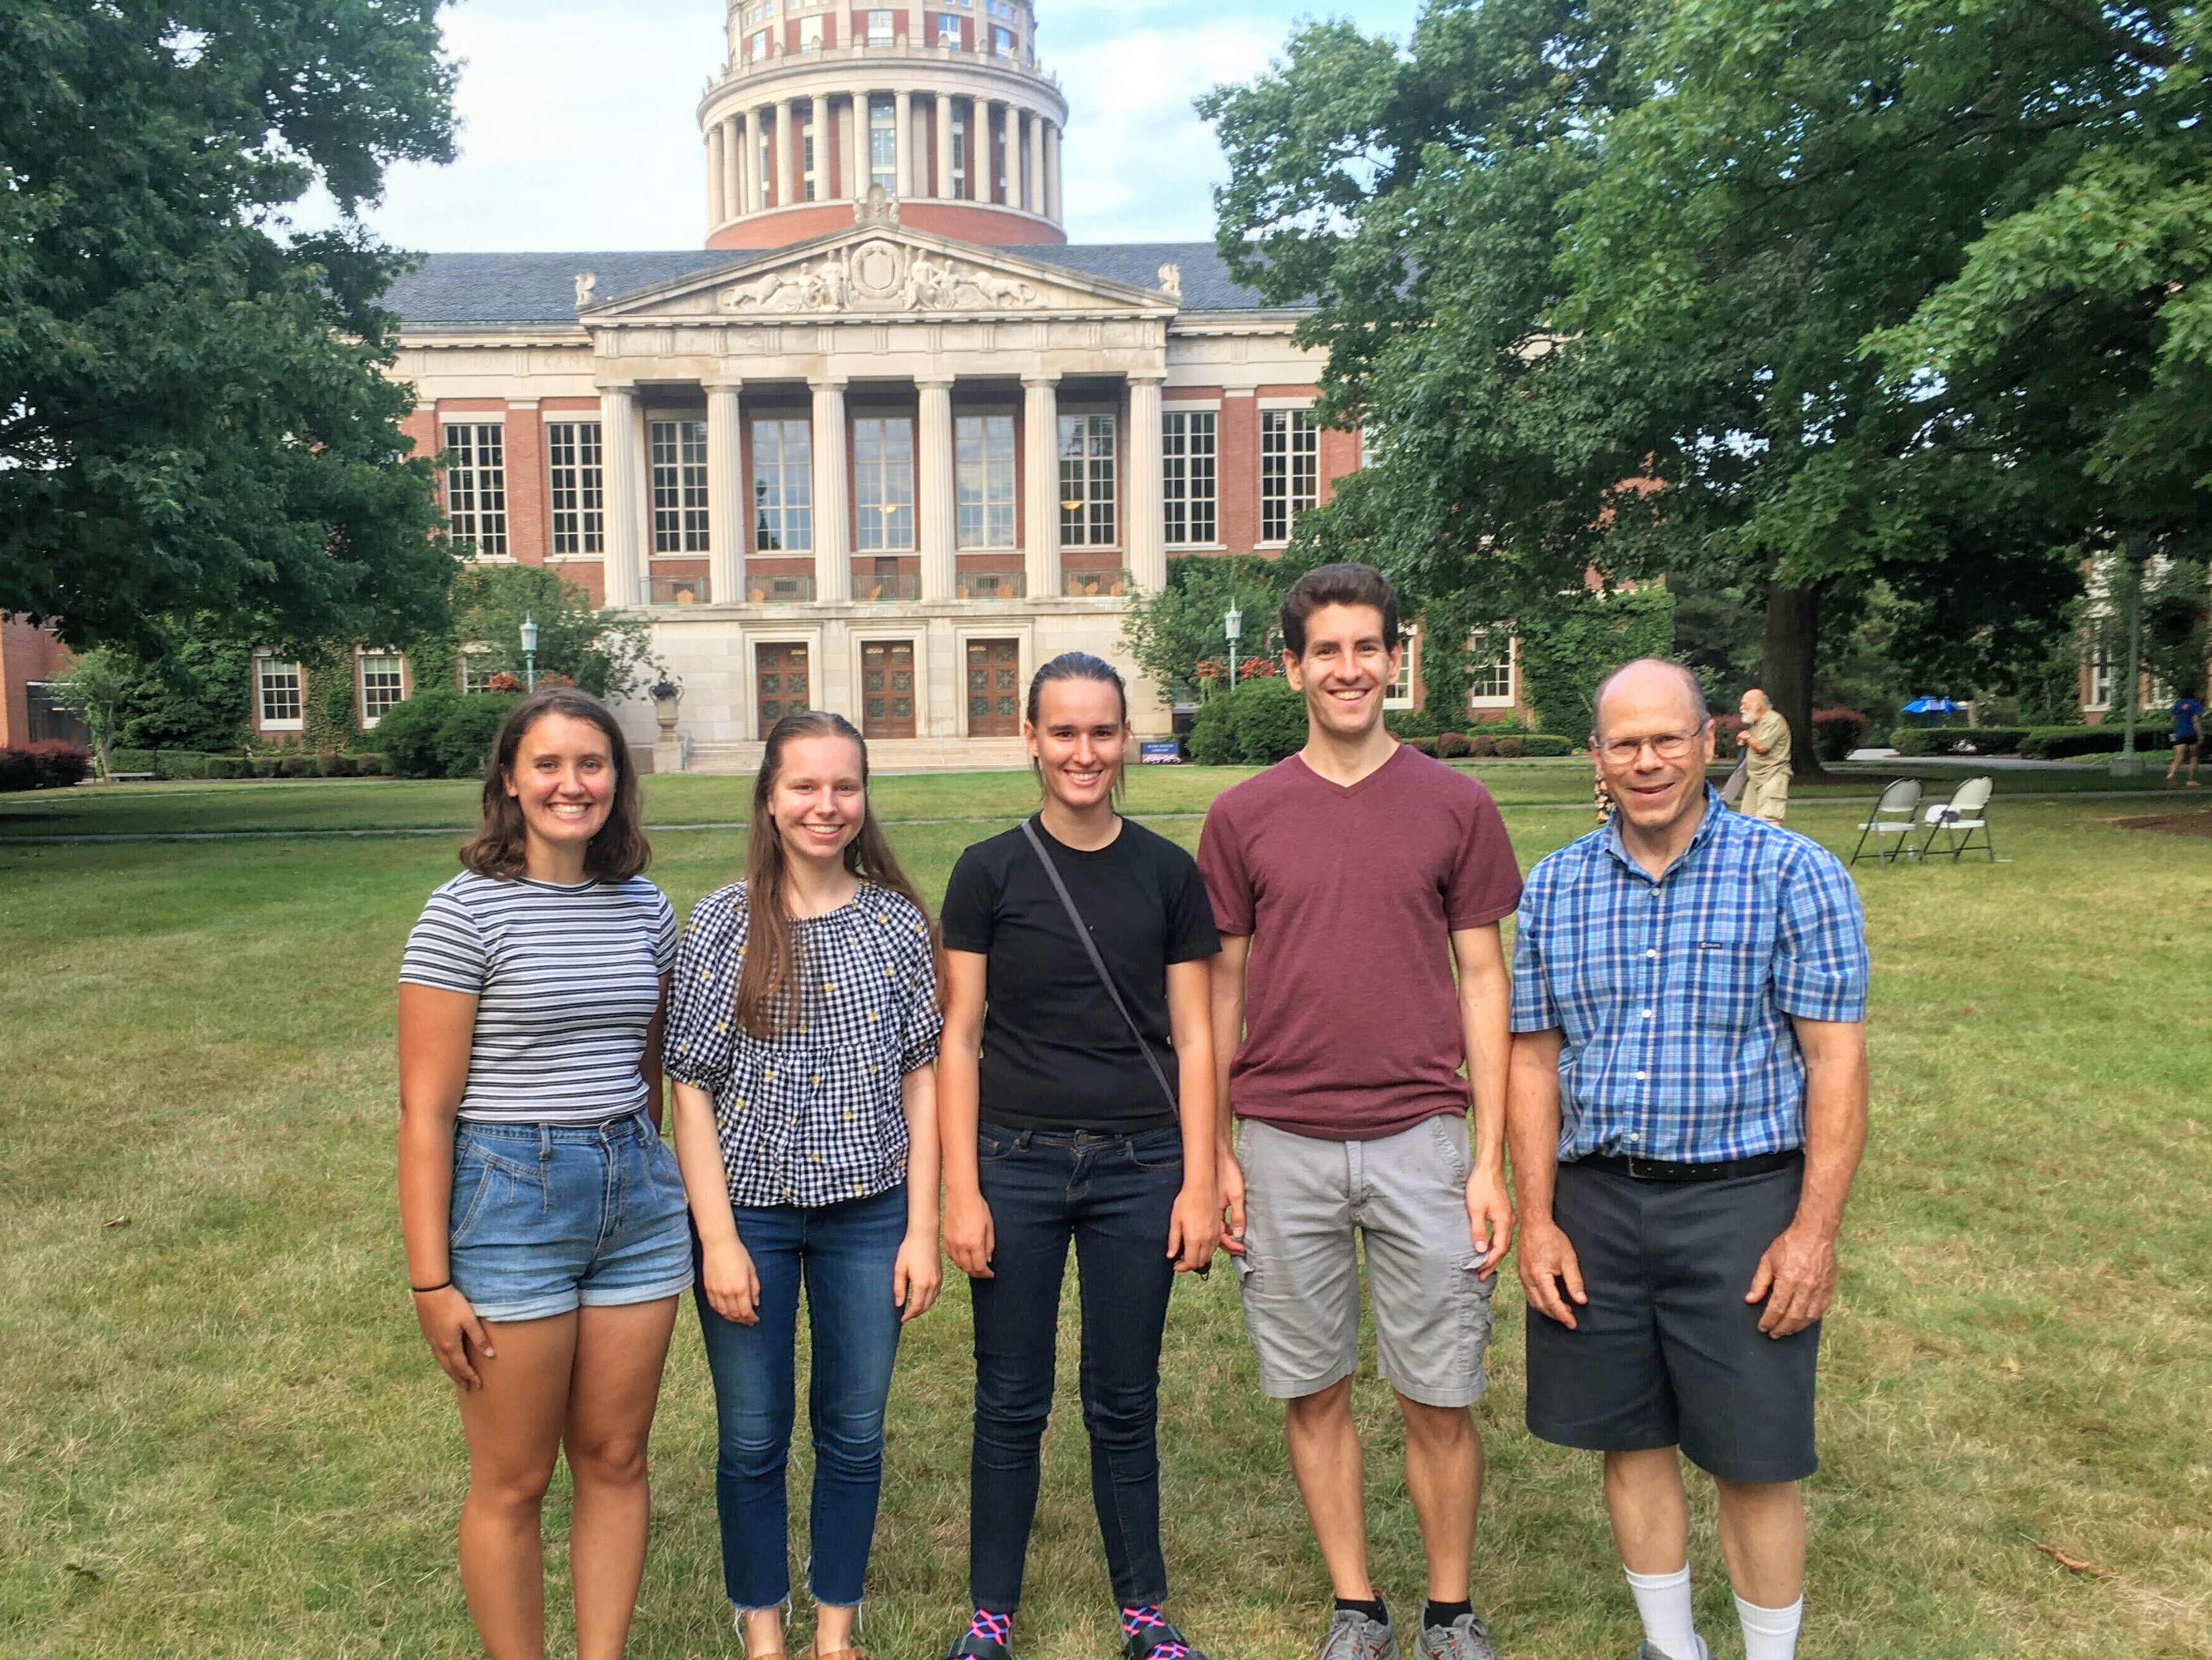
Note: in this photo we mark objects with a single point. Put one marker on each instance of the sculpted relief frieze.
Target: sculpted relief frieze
(880, 276)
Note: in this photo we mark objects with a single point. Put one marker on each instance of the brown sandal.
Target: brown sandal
(853, 1653)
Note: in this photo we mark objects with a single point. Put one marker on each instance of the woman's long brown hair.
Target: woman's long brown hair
(768, 1000)
(501, 845)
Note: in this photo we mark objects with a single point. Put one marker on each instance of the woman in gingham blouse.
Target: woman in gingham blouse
(802, 1042)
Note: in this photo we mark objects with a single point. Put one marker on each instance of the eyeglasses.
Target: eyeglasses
(1666, 745)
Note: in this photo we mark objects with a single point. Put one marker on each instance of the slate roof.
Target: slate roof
(460, 290)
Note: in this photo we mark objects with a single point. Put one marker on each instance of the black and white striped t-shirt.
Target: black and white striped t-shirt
(567, 980)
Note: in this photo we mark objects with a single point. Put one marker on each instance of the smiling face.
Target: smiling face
(1078, 740)
(563, 779)
(819, 799)
(1650, 748)
(1346, 670)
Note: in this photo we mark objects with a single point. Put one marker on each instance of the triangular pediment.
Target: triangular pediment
(879, 271)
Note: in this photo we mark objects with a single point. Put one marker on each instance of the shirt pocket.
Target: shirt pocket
(1728, 981)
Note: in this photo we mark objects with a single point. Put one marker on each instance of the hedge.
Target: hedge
(1956, 740)
(46, 765)
(1836, 733)
(2056, 743)
(130, 760)
(444, 733)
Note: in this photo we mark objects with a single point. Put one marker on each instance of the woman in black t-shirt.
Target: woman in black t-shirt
(1061, 1122)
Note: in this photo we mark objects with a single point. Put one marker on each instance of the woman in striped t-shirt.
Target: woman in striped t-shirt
(544, 1216)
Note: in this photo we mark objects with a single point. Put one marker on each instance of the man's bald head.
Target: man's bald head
(1755, 703)
(1649, 675)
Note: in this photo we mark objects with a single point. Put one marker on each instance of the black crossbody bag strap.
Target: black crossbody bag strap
(1098, 962)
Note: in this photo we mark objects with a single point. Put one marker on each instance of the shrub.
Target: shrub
(1450, 745)
(408, 733)
(265, 766)
(1411, 723)
(1420, 745)
(333, 763)
(228, 766)
(1956, 740)
(1258, 724)
(466, 732)
(1547, 743)
(369, 765)
(2058, 743)
(128, 760)
(296, 766)
(46, 765)
(180, 765)
(17, 771)
(1836, 733)
(1509, 748)
(1213, 741)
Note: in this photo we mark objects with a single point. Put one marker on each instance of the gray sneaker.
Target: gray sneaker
(1353, 1636)
(1646, 1651)
(1466, 1639)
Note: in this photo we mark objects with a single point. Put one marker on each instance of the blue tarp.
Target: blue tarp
(1934, 706)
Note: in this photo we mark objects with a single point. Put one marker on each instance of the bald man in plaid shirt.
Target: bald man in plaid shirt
(1685, 1111)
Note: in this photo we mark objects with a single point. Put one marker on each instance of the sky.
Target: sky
(580, 133)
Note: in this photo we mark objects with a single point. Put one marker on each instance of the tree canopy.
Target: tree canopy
(194, 415)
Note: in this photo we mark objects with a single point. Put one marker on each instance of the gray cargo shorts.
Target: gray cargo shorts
(1308, 1205)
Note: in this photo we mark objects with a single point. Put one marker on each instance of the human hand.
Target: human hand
(969, 1237)
(1547, 1264)
(1228, 1177)
(452, 1329)
(918, 1275)
(1490, 1219)
(732, 1286)
(1798, 1277)
(1194, 1230)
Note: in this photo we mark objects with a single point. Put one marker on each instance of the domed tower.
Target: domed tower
(939, 102)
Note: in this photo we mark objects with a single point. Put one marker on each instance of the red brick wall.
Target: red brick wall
(529, 526)
(964, 221)
(27, 653)
(1237, 479)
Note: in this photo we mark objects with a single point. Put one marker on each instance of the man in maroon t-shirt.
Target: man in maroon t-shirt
(1348, 883)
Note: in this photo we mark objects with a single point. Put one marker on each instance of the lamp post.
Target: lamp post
(529, 654)
(1232, 625)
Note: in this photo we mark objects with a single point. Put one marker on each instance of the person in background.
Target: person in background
(1069, 1121)
(2188, 735)
(543, 1215)
(802, 1040)
(1687, 1108)
(1765, 742)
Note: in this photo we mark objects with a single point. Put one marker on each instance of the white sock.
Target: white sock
(1769, 1633)
(1662, 1601)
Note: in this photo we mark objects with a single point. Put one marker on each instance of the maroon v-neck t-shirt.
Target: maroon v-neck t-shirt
(1350, 895)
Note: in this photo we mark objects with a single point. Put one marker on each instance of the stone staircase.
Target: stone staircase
(886, 754)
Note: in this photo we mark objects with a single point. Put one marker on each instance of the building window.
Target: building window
(960, 157)
(279, 690)
(1002, 42)
(1399, 695)
(806, 191)
(1290, 469)
(579, 486)
(2101, 678)
(882, 485)
(758, 45)
(882, 144)
(983, 451)
(948, 33)
(476, 485)
(809, 33)
(1189, 444)
(879, 28)
(1490, 667)
(679, 486)
(478, 664)
(381, 681)
(1086, 481)
(783, 487)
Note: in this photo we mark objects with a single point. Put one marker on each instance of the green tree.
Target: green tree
(606, 654)
(194, 411)
(1170, 632)
(99, 683)
(195, 695)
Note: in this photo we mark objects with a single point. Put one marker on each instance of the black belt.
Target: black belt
(1662, 1170)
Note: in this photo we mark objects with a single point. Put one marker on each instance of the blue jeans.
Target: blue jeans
(1114, 1196)
(846, 1254)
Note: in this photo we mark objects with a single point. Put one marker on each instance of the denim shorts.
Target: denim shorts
(549, 1218)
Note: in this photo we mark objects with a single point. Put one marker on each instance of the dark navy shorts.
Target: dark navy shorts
(1667, 1354)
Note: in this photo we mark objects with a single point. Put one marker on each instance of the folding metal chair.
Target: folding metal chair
(1898, 814)
(1958, 818)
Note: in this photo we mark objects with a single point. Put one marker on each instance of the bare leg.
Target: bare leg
(1325, 1457)
(1443, 1477)
(613, 1388)
(1649, 1511)
(513, 1429)
(765, 1630)
(1762, 1530)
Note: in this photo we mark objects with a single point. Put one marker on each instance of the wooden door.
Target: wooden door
(780, 686)
(887, 689)
(995, 689)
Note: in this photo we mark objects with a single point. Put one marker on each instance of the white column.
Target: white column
(855, 146)
(726, 496)
(1040, 530)
(1053, 208)
(751, 181)
(717, 177)
(902, 117)
(1011, 137)
(1147, 536)
(733, 178)
(824, 137)
(938, 522)
(833, 533)
(786, 149)
(625, 505)
(1033, 197)
(941, 184)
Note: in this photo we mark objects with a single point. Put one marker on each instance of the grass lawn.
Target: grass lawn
(220, 1435)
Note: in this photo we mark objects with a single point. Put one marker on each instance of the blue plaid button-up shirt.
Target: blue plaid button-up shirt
(1674, 996)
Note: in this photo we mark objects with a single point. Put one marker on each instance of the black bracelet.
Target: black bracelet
(425, 1290)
